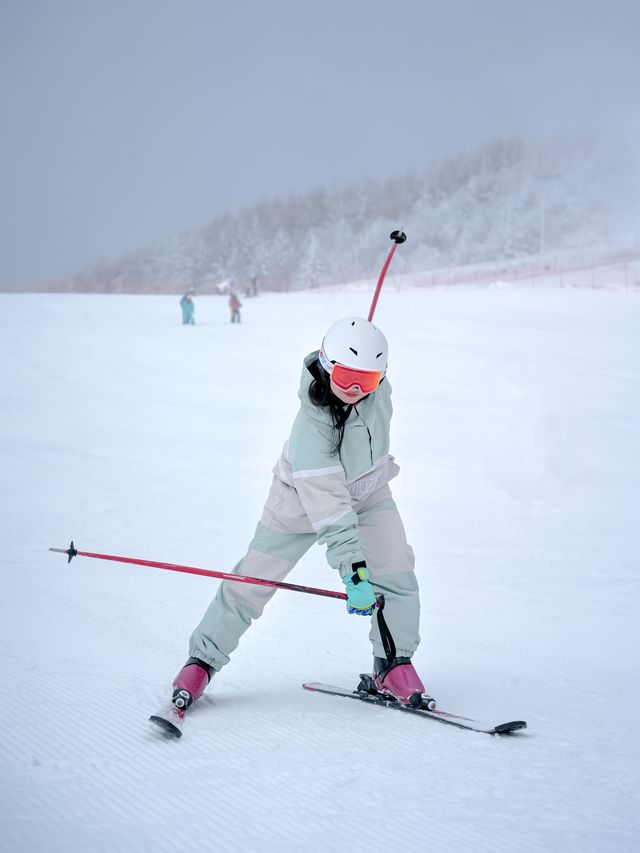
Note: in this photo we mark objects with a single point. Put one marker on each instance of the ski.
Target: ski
(375, 698)
(169, 720)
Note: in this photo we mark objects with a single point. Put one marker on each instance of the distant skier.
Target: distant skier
(188, 308)
(234, 306)
(331, 486)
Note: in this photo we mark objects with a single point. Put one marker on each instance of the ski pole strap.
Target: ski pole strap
(385, 634)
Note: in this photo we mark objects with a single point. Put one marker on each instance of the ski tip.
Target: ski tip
(165, 726)
(507, 728)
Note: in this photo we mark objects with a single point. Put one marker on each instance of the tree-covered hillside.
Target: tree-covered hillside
(505, 201)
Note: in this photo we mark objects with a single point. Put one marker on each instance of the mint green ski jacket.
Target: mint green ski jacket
(315, 490)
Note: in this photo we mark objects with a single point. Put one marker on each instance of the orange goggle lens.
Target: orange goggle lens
(347, 377)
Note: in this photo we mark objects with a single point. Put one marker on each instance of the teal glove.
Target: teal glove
(361, 599)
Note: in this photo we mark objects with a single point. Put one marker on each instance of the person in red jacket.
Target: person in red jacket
(234, 305)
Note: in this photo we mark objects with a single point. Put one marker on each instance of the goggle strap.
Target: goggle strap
(324, 361)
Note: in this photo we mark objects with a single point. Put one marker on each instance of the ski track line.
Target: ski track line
(123, 734)
(120, 806)
(96, 759)
(277, 814)
(84, 803)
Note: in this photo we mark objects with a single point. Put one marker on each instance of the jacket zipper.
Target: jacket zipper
(368, 433)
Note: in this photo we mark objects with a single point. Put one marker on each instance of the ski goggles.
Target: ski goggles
(346, 377)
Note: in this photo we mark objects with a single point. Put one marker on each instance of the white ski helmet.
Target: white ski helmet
(356, 343)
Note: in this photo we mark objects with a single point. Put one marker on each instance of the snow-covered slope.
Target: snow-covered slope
(516, 426)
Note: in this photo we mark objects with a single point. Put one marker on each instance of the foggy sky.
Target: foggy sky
(124, 122)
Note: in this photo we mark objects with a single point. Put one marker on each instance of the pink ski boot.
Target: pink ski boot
(189, 685)
(398, 679)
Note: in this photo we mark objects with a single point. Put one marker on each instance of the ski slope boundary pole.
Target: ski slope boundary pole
(397, 237)
(193, 570)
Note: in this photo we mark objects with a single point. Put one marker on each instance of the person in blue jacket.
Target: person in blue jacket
(188, 308)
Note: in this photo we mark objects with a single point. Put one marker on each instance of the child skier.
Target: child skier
(331, 486)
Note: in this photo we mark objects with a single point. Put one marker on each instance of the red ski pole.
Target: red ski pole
(397, 237)
(192, 570)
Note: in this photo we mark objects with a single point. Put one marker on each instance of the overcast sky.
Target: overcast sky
(127, 121)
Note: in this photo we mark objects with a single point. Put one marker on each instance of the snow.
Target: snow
(516, 426)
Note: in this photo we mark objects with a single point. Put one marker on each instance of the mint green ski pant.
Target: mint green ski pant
(273, 555)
